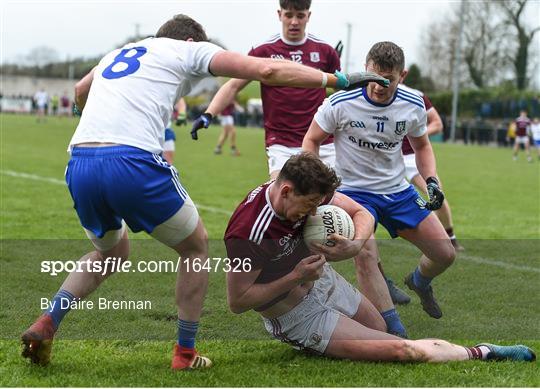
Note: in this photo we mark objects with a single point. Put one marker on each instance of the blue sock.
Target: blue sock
(60, 306)
(393, 322)
(187, 330)
(419, 280)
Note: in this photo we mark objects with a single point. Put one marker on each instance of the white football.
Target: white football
(328, 220)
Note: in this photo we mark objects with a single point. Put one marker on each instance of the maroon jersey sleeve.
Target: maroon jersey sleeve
(229, 110)
(406, 147)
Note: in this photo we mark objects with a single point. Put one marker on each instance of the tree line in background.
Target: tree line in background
(496, 44)
(498, 57)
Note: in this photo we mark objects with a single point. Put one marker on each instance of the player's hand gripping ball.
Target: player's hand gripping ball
(328, 220)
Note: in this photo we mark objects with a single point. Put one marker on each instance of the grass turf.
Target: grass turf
(489, 294)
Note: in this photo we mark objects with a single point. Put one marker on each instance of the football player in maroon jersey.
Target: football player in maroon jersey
(303, 301)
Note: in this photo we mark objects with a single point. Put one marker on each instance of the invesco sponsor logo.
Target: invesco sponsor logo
(374, 145)
(357, 124)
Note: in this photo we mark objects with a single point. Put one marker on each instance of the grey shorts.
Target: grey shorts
(310, 325)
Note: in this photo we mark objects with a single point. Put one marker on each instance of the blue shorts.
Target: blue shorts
(109, 184)
(169, 135)
(537, 142)
(396, 211)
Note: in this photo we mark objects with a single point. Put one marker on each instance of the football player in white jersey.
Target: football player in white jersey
(117, 177)
(369, 126)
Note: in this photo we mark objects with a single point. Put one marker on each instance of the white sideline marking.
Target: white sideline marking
(472, 258)
(56, 181)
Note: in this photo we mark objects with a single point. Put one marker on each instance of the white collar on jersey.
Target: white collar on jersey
(285, 40)
(267, 196)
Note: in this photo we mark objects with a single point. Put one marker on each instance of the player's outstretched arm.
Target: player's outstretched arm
(82, 88)
(287, 73)
(226, 95)
(314, 137)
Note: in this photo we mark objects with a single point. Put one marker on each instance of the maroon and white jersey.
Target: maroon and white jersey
(522, 124)
(406, 147)
(273, 245)
(228, 111)
(288, 111)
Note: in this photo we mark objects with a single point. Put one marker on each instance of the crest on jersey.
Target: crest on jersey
(314, 56)
(400, 127)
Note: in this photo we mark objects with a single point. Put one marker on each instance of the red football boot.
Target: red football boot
(37, 340)
(187, 359)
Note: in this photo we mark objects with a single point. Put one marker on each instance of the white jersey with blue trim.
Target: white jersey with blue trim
(134, 90)
(368, 137)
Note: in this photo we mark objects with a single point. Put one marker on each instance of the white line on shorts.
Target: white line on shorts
(56, 181)
(471, 258)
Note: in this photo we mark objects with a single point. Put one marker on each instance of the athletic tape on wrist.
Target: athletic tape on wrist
(324, 80)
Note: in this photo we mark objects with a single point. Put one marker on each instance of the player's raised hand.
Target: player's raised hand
(359, 80)
(310, 268)
(435, 194)
(202, 121)
(342, 248)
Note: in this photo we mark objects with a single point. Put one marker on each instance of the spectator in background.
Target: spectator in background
(169, 146)
(41, 99)
(511, 133)
(55, 100)
(228, 131)
(535, 132)
(523, 124)
(181, 112)
(65, 105)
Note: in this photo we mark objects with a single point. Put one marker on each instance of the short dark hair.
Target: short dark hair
(298, 5)
(309, 175)
(386, 56)
(182, 27)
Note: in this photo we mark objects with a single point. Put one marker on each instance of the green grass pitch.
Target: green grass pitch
(489, 294)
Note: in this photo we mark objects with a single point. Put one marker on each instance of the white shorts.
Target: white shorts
(522, 140)
(310, 325)
(279, 154)
(171, 232)
(410, 166)
(168, 145)
(226, 120)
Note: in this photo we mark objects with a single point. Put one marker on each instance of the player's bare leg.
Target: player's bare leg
(352, 340)
(444, 213)
(37, 340)
(225, 132)
(438, 254)
(528, 151)
(515, 150)
(190, 291)
(234, 149)
(373, 285)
